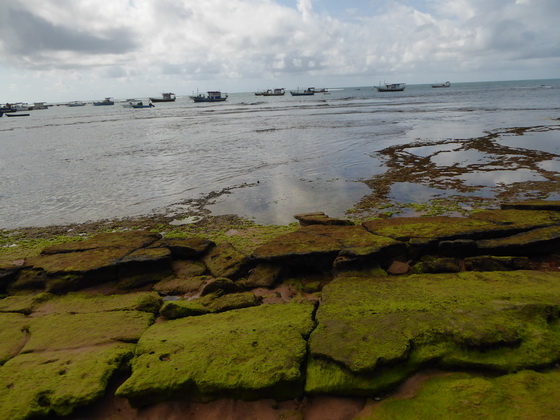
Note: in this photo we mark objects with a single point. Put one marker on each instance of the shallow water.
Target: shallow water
(277, 156)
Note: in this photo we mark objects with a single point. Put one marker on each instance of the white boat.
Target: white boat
(212, 96)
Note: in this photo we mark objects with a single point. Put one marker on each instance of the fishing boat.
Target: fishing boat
(391, 87)
(104, 102)
(139, 104)
(75, 103)
(307, 92)
(441, 85)
(270, 92)
(165, 97)
(211, 96)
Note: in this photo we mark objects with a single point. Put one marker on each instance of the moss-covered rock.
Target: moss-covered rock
(71, 271)
(437, 265)
(532, 205)
(463, 396)
(81, 303)
(347, 247)
(13, 335)
(498, 321)
(522, 219)
(181, 286)
(57, 382)
(226, 261)
(122, 240)
(23, 304)
(211, 303)
(438, 228)
(541, 240)
(263, 275)
(320, 218)
(186, 248)
(495, 263)
(247, 353)
(70, 331)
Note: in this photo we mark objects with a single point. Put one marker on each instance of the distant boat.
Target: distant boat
(106, 101)
(270, 92)
(138, 105)
(322, 90)
(212, 96)
(39, 105)
(166, 97)
(441, 85)
(391, 87)
(17, 114)
(75, 103)
(307, 92)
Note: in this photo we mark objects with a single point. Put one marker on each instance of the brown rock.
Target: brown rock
(319, 218)
(226, 261)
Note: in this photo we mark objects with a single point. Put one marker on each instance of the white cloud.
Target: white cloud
(236, 43)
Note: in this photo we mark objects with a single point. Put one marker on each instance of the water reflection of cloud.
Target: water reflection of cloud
(424, 151)
(463, 158)
(546, 141)
(550, 165)
(278, 199)
(494, 178)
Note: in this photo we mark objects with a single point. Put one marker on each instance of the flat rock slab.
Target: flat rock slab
(523, 395)
(211, 303)
(321, 245)
(81, 303)
(533, 205)
(522, 219)
(372, 333)
(437, 228)
(128, 240)
(542, 240)
(70, 331)
(186, 248)
(247, 353)
(12, 335)
(320, 218)
(226, 261)
(57, 382)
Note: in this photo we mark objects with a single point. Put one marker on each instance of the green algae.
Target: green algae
(69, 331)
(247, 353)
(498, 321)
(85, 303)
(463, 396)
(57, 382)
(13, 335)
(180, 286)
(524, 219)
(211, 303)
(24, 304)
(441, 227)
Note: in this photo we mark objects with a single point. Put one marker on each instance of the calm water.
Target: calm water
(298, 154)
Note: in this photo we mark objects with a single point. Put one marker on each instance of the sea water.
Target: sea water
(265, 158)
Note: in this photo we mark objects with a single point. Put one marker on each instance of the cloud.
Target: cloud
(245, 40)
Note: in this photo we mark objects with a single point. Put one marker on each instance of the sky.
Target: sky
(64, 50)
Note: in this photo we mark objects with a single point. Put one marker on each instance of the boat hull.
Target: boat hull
(162, 100)
(208, 99)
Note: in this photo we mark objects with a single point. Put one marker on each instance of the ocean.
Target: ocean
(268, 158)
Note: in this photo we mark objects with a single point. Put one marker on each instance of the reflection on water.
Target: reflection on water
(494, 178)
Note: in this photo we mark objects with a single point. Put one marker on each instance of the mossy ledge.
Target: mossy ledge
(328, 307)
